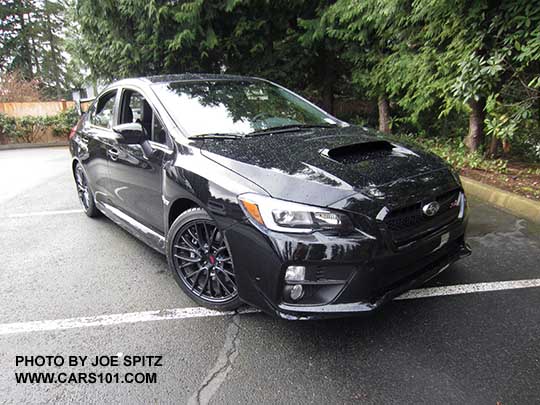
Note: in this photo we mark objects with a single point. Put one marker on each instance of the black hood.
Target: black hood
(321, 166)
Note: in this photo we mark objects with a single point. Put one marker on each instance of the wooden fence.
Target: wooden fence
(35, 108)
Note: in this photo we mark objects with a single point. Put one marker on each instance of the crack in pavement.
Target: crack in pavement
(224, 364)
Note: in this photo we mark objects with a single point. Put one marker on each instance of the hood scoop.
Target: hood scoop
(358, 152)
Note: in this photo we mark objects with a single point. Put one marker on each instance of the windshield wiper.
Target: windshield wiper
(289, 128)
(216, 135)
(271, 130)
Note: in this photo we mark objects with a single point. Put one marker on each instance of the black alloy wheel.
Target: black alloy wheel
(84, 192)
(199, 256)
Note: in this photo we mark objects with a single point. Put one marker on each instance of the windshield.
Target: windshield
(237, 107)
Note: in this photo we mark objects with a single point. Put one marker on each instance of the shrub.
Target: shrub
(8, 128)
(62, 123)
(29, 128)
(456, 154)
(14, 88)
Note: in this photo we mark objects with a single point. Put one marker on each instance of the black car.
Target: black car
(257, 196)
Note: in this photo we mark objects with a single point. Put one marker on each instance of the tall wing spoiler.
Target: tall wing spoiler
(83, 104)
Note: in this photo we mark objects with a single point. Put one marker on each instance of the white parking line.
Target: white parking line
(43, 213)
(469, 288)
(114, 319)
(199, 312)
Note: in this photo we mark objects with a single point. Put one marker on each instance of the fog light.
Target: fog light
(297, 292)
(295, 273)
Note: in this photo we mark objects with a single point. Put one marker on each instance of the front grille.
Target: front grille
(412, 267)
(409, 223)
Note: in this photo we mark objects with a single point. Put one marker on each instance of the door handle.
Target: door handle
(113, 154)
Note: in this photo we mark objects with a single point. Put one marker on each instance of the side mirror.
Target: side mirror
(130, 133)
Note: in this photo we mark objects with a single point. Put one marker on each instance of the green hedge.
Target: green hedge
(28, 128)
(62, 123)
(455, 153)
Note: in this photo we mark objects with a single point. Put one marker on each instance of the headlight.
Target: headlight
(285, 216)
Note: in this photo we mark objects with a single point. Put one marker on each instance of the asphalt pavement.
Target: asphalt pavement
(481, 346)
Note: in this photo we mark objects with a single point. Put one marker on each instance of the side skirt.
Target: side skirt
(134, 227)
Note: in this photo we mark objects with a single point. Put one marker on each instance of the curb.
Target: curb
(510, 202)
(31, 145)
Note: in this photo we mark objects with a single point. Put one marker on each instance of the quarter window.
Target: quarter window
(103, 113)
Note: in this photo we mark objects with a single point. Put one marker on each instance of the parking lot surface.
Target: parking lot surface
(481, 346)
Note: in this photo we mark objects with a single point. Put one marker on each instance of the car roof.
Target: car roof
(148, 80)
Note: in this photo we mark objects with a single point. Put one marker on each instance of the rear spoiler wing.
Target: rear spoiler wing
(83, 104)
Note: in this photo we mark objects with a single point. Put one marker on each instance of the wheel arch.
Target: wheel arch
(178, 206)
(74, 162)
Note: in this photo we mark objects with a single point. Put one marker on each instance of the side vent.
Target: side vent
(359, 152)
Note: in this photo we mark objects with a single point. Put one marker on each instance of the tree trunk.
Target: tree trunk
(35, 55)
(475, 137)
(506, 146)
(55, 55)
(493, 147)
(26, 55)
(327, 74)
(328, 98)
(384, 115)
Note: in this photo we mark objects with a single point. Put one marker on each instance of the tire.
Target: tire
(199, 258)
(84, 192)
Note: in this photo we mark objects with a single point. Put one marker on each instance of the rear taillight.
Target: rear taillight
(73, 131)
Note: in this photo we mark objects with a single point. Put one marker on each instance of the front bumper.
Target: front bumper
(345, 275)
(413, 280)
